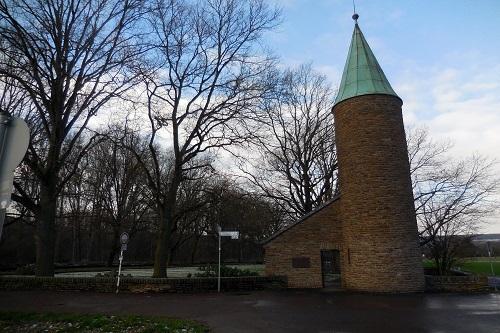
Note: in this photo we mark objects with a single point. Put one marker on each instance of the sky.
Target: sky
(442, 57)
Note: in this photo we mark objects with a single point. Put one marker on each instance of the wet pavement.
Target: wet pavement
(494, 282)
(284, 311)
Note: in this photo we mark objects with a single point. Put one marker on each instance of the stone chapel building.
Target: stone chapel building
(366, 238)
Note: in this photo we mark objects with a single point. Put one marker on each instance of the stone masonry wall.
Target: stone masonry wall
(377, 210)
(141, 285)
(456, 283)
(302, 243)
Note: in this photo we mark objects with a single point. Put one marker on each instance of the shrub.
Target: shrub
(225, 271)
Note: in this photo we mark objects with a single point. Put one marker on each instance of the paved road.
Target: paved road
(494, 282)
(285, 311)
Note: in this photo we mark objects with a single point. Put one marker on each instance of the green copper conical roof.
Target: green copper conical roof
(362, 72)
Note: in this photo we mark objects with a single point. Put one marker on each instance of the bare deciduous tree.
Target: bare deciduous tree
(296, 162)
(451, 198)
(233, 208)
(71, 58)
(208, 63)
(121, 187)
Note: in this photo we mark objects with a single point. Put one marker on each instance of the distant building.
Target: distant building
(365, 239)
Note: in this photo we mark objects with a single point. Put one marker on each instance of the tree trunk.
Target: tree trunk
(113, 251)
(166, 213)
(93, 248)
(262, 253)
(240, 250)
(91, 251)
(194, 248)
(77, 235)
(162, 249)
(111, 258)
(171, 253)
(45, 238)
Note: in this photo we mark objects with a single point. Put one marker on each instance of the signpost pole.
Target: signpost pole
(123, 240)
(491, 264)
(3, 212)
(218, 269)
(4, 120)
(233, 235)
(119, 271)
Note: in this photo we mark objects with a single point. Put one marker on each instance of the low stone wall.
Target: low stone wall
(189, 285)
(142, 285)
(456, 283)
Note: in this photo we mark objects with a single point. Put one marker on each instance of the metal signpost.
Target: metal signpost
(14, 141)
(233, 235)
(123, 240)
(491, 264)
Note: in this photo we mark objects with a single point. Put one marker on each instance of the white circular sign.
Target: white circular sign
(124, 238)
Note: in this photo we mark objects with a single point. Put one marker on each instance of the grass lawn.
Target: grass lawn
(52, 322)
(480, 266)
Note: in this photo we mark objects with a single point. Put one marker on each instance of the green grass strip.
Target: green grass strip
(57, 322)
(480, 267)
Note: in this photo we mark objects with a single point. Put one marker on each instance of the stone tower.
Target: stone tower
(380, 241)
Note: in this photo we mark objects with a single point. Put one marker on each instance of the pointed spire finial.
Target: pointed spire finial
(355, 18)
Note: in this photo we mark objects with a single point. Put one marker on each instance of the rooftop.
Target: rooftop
(362, 73)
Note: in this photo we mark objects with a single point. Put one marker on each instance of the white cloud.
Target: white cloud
(460, 103)
(457, 103)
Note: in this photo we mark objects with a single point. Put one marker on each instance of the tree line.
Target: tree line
(169, 118)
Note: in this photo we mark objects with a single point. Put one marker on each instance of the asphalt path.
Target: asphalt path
(284, 311)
